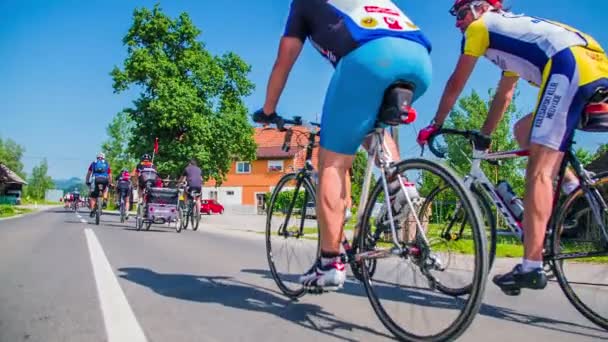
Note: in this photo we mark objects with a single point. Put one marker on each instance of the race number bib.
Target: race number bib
(375, 15)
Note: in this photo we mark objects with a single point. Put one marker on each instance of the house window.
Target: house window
(243, 167)
(275, 165)
(230, 193)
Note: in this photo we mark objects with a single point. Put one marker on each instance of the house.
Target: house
(247, 182)
(11, 185)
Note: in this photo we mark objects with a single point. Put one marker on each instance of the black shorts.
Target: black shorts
(99, 180)
(192, 189)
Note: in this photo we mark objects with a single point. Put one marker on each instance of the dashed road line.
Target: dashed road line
(119, 319)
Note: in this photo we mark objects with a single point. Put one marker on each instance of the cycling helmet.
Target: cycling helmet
(101, 155)
(458, 4)
(146, 157)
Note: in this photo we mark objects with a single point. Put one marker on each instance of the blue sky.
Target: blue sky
(56, 95)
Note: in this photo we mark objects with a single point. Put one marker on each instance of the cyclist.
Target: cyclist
(123, 188)
(76, 196)
(567, 65)
(371, 44)
(102, 174)
(145, 174)
(194, 180)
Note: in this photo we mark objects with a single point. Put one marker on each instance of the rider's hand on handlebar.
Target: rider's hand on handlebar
(425, 133)
(260, 117)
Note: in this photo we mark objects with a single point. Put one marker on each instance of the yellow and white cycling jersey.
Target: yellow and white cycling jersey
(521, 45)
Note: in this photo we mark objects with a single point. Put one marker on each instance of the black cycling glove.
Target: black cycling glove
(260, 117)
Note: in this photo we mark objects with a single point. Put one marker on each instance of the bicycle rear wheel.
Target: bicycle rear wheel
(122, 210)
(580, 251)
(196, 215)
(98, 211)
(139, 220)
(187, 214)
(292, 239)
(403, 289)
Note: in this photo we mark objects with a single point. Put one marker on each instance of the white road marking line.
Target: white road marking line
(120, 322)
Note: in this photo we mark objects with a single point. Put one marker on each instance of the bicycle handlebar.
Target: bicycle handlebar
(470, 135)
(295, 121)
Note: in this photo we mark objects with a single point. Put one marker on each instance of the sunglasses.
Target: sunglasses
(462, 13)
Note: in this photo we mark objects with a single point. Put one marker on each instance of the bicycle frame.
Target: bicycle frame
(478, 178)
(380, 151)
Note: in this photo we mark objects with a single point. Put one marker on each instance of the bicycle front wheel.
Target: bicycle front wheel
(453, 232)
(580, 251)
(292, 238)
(196, 216)
(412, 262)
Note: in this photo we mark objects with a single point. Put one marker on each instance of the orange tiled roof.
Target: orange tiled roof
(270, 139)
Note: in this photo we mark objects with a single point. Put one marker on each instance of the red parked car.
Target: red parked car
(211, 206)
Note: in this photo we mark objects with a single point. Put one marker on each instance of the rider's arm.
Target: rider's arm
(454, 87)
(289, 50)
(475, 43)
(500, 103)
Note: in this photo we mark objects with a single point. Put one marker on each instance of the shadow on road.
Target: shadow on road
(429, 298)
(233, 293)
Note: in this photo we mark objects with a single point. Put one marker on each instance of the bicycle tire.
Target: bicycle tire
(181, 213)
(187, 214)
(558, 267)
(309, 191)
(196, 216)
(139, 220)
(488, 216)
(472, 305)
(98, 212)
(122, 210)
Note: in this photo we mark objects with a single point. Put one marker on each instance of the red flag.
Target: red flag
(156, 145)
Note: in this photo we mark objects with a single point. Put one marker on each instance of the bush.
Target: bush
(7, 210)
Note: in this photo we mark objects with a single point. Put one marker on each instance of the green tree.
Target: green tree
(39, 182)
(584, 156)
(191, 100)
(603, 149)
(116, 147)
(471, 113)
(11, 154)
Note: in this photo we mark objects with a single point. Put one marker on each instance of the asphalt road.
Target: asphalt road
(64, 279)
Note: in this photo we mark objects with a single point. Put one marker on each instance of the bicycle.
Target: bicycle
(141, 210)
(122, 207)
(566, 238)
(188, 210)
(99, 202)
(75, 205)
(368, 248)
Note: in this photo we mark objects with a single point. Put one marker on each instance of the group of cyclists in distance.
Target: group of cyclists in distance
(99, 180)
(375, 41)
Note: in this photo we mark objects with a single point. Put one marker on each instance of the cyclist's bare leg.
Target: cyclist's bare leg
(389, 143)
(521, 131)
(543, 165)
(331, 197)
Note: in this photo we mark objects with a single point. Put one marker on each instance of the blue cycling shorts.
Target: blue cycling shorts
(357, 88)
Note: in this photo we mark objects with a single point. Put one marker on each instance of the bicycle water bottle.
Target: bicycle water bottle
(515, 204)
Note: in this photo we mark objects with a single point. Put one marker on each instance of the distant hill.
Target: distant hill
(68, 185)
